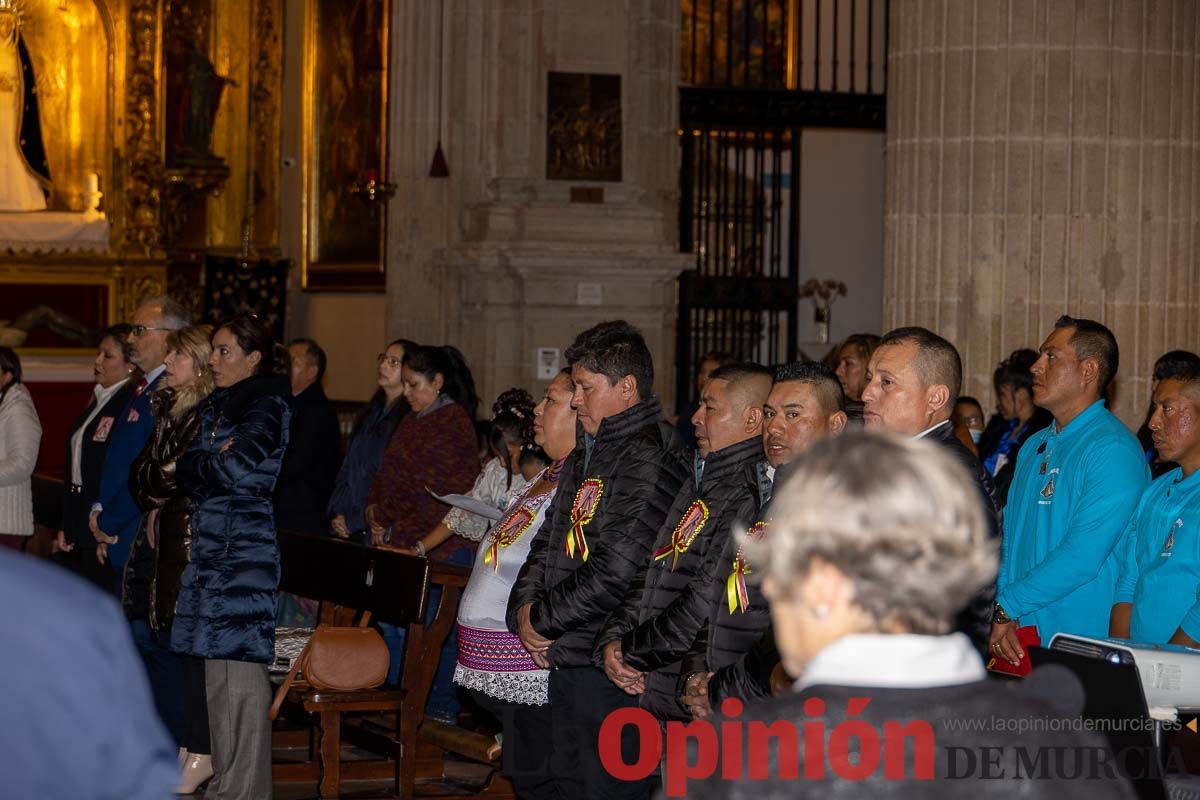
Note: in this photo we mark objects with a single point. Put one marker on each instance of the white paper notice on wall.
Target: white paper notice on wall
(589, 294)
(547, 363)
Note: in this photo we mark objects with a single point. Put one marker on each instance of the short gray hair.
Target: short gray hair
(899, 517)
(174, 315)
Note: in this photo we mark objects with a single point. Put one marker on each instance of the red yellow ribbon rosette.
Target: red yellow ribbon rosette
(520, 519)
(512, 528)
(735, 586)
(690, 525)
(587, 500)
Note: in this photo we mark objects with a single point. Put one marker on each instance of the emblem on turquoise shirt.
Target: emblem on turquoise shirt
(1048, 489)
(1166, 551)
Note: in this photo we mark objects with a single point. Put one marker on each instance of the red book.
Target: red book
(1027, 636)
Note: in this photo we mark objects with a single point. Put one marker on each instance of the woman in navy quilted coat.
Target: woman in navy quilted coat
(226, 609)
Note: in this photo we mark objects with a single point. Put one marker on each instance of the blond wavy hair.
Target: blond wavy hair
(194, 341)
(901, 518)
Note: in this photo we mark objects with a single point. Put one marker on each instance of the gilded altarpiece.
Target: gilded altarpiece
(101, 84)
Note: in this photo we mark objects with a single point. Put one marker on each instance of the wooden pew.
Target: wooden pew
(395, 589)
(47, 501)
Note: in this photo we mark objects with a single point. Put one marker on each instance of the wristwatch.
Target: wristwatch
(1000, 616)
(420, 548)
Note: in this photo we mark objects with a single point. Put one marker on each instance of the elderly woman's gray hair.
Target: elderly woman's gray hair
(899, 517)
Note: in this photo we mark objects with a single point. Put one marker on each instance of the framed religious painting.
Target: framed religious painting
(583, 127)
(345, 145)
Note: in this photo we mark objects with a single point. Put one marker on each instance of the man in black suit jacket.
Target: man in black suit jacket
(914, 379)
(310, 465)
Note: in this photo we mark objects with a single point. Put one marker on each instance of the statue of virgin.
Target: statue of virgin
(24, 173)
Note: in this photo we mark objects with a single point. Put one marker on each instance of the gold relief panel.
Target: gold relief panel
(231, 51)
(143, 144)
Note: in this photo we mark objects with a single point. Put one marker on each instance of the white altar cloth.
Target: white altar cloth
(53, 231)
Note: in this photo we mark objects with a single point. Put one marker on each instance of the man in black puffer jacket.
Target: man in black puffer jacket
(734, 653)
(915, 378)
(614, 494)
(643, 640)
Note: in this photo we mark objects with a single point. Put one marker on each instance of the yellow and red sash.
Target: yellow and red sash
(587, 500)
(735, 587)
(690, 524)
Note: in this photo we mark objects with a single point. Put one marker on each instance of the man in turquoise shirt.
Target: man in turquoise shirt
(1156, 592)
(1076, 485)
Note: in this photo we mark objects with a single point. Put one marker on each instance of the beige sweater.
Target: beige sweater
(20, 435)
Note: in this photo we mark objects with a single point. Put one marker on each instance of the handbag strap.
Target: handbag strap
(286, 686)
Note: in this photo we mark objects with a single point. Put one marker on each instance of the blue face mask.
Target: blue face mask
(976, 435)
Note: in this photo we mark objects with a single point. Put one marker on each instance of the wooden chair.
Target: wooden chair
(347, 578)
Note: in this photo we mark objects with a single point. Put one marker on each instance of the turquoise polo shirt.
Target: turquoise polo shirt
(1160, 570)
(1058, 559)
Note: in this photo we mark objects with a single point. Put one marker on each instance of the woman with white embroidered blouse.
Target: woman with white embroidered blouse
(20, 435)
(492, 662)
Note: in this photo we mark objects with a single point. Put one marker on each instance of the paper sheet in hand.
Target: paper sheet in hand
(468, 503)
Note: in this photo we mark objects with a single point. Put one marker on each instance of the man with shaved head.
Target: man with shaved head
(1160, 560)
(643, 641)
(734, 654)
(914, 377)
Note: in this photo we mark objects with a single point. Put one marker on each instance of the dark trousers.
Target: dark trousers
(528, 745)
(195, 707)
(580, 699)
(82, 561)
(164, 669)
(443, 702)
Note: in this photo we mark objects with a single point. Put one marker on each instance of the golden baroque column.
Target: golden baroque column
(1041, 160)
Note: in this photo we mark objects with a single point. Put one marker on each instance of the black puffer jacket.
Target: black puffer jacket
(976, 619)
(621, 485)
(658, 619)
(152, 574)
(731, 644)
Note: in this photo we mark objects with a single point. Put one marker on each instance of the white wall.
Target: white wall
(841, 213)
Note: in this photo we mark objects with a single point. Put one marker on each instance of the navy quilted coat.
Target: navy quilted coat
(226, 604)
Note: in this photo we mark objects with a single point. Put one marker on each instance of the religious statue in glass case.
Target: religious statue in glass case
(24, 172)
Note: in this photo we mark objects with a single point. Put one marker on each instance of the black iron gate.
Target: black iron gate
(739, 215)
(741, 138)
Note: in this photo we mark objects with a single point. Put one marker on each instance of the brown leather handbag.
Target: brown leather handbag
(345, 659)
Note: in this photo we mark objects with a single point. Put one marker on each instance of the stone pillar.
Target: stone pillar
(1041, 160)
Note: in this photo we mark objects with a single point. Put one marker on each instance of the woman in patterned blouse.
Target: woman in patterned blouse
(492, 662)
